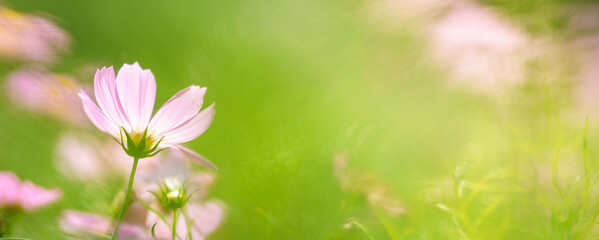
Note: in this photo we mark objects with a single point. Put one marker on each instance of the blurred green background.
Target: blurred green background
(297, 83)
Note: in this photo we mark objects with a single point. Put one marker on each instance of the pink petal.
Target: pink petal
(206, 218)
(54, 35)
(137, 91)
(77, 157)
(38, 89)
(107, 96)
(132, 232)
(97, 117)
(180, 108)
(162, 230)
(33, 196)
(30, 38)
(201, 184)
(9, 195)
(190, 129)
(78, 223)
(27, 87)
(197, 158)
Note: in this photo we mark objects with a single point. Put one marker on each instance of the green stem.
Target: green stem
(8, 218)
(115, 230)
(174, 232)
(187, 224)
(364, 229)
(4, 225)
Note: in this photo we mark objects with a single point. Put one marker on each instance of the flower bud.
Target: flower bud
(173, 193)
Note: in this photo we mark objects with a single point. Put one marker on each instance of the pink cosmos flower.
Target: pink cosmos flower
(24, 195)
(126, 103)
(41, 90)
(30, 38)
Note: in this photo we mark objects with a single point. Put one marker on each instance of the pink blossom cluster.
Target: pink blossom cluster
(123, 107)
(36, 41)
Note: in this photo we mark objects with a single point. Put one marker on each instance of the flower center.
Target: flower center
(139, 144)
(11, 14)
(137, 136)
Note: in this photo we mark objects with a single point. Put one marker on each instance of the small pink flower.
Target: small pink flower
(126, 103)
(30, 38)
(24, 195)
(43, 91)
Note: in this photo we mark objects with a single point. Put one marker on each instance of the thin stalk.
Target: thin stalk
(155, 212)
(174, 231)
(554, 172)
(361, 227)
(188, 224)
(119, 219)
(585, 158)
(388, 226)
(8, 219)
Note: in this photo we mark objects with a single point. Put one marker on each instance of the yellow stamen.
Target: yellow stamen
(136, 136)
